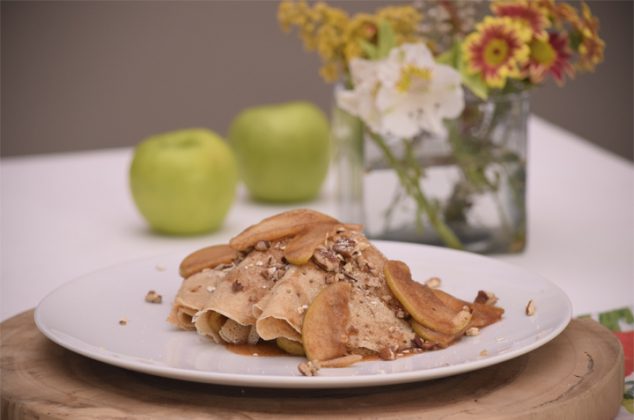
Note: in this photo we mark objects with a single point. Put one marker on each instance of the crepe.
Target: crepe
(192, 296)
(234, 296)
(280, 269)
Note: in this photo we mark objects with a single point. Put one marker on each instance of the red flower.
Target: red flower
(550, 56)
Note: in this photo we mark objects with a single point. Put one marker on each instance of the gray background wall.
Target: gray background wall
(86, 75)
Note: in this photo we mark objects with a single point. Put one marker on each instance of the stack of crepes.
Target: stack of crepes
(317, 287)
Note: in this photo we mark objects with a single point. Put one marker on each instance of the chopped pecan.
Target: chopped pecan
(326, 259)
(262, 245)
(345, 246)
(309, 368)
(433, 282)
(153, 297)
(487, 298)
(387, 353)
(530, 308)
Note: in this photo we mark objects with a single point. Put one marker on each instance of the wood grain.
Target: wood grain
(579, 375)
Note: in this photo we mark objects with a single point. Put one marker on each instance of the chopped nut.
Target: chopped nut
(153, 297)
(387, 353)
(309, 368)
(530, 308)
(487, 298)
(347, 268)
(326, 259)
(225, 267)
(433, 283)
(262, 246)
(344, 246)
(472, 332)
(237, 287)
(417, 342)
(123, 321)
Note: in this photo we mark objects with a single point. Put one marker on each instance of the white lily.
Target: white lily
(404, 94)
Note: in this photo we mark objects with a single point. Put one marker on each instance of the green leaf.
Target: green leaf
(473, 82)
(369, 49)
(451, 57)
(386, 41)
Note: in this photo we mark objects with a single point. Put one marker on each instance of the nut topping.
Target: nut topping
(309, 368)
(153, 297)
(262, 246)
(472, 332)
(237, 287)
(326, 259)
(485, 297)
(530, 308)
(433, 282)
(344, 247)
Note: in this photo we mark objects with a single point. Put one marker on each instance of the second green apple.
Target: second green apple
(282, 150)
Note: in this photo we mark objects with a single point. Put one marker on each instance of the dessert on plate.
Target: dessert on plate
(317, 287)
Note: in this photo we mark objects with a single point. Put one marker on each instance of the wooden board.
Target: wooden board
(579, 375)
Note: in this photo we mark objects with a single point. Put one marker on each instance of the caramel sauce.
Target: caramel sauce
(260, 349)
(269, 348)
(375, 357)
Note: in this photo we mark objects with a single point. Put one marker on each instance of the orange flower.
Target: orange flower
(498, 50)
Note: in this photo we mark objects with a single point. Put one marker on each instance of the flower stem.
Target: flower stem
(411, 183)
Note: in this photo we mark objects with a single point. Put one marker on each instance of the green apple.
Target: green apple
(283, 150)
(184, 182)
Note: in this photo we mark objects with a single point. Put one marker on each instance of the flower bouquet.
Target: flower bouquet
(431, 107)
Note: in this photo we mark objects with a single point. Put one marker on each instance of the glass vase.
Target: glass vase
(465, 189)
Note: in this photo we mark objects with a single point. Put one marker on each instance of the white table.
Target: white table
(65, 215)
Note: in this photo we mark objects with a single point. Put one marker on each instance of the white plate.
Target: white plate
(84, 315)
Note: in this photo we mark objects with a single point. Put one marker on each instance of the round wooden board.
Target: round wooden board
(578, 375)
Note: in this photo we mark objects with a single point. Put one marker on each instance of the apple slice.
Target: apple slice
(434, 337)
(301, 248)
(278, 226)
(421, 303)
(324, 328)
(208, 257)
(481, 315)
(290, 346)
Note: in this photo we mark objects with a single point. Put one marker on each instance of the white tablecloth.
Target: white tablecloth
(65, 215)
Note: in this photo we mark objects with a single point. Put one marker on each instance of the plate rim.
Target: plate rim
(299, 381)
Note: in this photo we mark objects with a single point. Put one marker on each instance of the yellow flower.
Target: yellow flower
(592, 47)
(405, 21)
(361, 28)
(336, 37)
(321, 29)
(497, 50)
